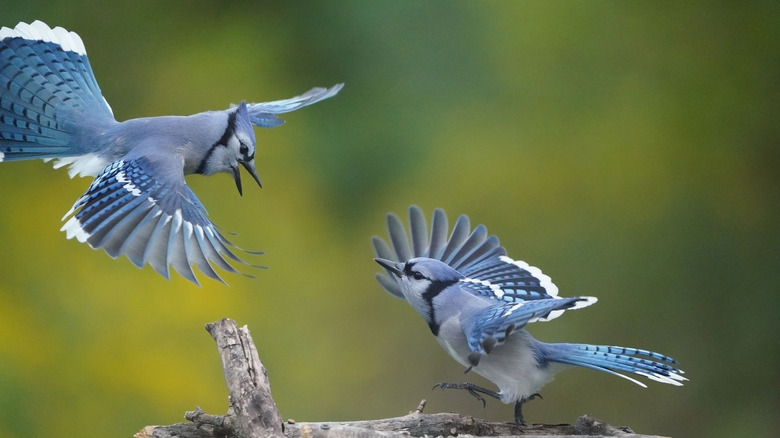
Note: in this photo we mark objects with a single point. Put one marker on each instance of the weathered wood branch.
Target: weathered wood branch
(417, 424)
(253, 408)
(252, 412)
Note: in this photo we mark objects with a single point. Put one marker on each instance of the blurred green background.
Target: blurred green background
(631, 150)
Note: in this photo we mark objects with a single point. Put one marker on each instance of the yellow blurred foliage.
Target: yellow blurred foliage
(628, 149)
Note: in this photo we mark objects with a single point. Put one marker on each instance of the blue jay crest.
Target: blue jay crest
(139, 204)
(477, 302)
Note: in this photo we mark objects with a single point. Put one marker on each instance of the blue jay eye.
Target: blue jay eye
(45, 78)
(474, 298)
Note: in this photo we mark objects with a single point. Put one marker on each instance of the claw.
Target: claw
(519, 408)
(478, 397)
(472, 389)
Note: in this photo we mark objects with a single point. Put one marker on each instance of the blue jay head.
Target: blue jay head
(236, 146)
(244, 141)
(422, 279)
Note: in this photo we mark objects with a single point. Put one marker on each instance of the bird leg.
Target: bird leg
(519, 408)
(473, 389)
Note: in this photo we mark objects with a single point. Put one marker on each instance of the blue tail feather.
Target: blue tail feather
(44, 90)
(27, 103)
(611, 360)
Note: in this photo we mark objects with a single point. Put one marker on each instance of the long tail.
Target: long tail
(46, 88)
(654, 366)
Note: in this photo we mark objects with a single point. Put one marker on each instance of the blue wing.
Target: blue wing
(47, 89)
(460, 250)
(264, 114)
(140, 208)
(490, 326)
(473, 253)
(509, 280)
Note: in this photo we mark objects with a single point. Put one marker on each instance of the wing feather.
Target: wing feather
(490, 326)
(143, 208)
(264, 114)
(439, 228)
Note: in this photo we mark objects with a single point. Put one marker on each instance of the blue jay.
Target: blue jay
(139, 204)
(477, 301)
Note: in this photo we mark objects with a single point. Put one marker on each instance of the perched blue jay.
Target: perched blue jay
(477, 301)
(139, 204)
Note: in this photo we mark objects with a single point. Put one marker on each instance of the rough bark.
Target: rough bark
(417, 424)
(252, 412)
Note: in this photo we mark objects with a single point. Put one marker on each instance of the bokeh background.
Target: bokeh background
(631, 150)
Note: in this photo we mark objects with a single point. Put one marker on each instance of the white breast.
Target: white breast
(511, 366)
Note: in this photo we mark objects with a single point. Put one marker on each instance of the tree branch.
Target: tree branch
(417, 424)
(252, 412)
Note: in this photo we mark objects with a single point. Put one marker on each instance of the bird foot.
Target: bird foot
(519, 408)
(474, 390)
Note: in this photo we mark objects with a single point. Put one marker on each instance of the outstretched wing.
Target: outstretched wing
(509, 280)
(462, 250)
(264, 114)
(145, 210)
(473, 253)
(490, 326)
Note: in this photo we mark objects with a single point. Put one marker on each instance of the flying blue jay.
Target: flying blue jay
(139, 204)
(477, 302)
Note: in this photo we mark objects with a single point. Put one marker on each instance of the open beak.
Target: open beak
(250, 167)
(237, 177)
(391, 266)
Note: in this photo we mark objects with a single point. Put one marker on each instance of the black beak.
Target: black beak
(391, 266)
(237, 177)
(250, 167)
